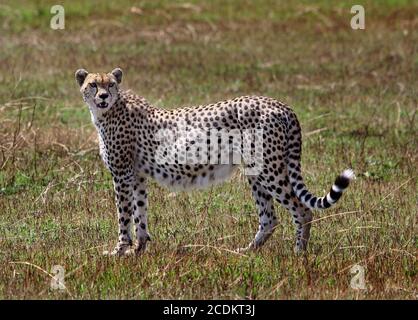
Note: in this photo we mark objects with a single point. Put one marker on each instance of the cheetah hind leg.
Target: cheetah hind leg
(301, 215)
(267, 218)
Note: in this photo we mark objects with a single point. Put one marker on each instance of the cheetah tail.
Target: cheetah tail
(294, 150)
(337, 189)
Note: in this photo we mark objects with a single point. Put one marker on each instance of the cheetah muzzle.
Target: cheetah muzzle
(195, 147)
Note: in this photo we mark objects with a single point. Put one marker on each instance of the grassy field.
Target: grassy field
(355, 92)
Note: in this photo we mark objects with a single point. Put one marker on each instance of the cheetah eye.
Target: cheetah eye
(112, 84)
(93, 85)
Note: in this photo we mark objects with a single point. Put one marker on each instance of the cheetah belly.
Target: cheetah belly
(191, 179)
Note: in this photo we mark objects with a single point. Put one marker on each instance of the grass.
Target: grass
(355, 93)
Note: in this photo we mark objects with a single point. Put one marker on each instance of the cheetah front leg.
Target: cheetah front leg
(140, 214)
(123, 182)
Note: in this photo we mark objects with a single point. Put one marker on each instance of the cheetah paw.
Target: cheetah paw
(118, 251)
(248, 248)
(142, 245)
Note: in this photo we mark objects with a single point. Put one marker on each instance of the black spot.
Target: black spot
(313, 201)
(325, 203)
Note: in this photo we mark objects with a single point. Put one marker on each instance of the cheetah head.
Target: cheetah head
(99, 90)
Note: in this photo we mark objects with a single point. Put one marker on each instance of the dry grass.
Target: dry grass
(355, 94)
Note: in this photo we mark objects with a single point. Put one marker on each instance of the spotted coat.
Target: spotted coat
(129, 130)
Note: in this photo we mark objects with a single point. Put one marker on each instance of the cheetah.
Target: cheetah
(135, 145)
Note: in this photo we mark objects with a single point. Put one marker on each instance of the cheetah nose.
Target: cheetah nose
(103, 95)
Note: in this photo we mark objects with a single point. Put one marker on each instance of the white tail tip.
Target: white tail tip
(349, 174)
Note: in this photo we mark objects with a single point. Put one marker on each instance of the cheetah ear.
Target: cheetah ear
(80, 76)
(117, 73)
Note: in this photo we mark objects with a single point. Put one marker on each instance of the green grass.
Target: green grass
(355, 93)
